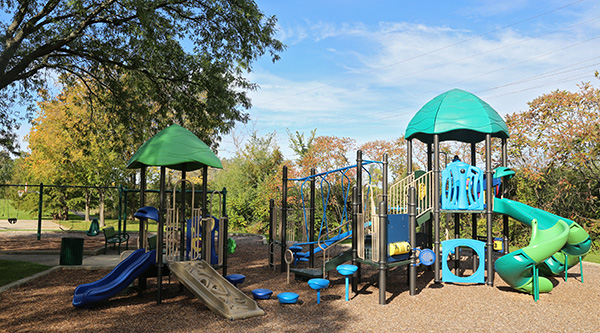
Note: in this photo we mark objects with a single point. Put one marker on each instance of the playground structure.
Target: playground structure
(190, 241)
(384, 235)
(388, 238)
(301, 231)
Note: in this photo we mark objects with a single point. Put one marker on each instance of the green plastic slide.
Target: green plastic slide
(551, 238)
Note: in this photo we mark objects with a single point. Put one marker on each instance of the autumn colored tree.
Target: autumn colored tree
(555, 146)
(396, 150)
(68, 149)
(327, 153)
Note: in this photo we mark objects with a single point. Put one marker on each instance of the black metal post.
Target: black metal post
(206, 233)
(355, 239)
(159, 241)
(182, 223)
(428, 225)
(357, 275)
(311, 220)
(436, 206)
(271, 246)
(412, 221)
(504, 190)
(119, 222)
(383, 239)
(456, 219)
(284, 211)
(142, 282)
(225, 231)
(488, 208)
(409, 157)
(124, 209)
(142, 232)
(40, 208)
(474, 215)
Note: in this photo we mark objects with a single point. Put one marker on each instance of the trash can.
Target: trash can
(71, 251)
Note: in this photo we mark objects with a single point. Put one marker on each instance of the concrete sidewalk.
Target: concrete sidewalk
(100, 261)
(108, 261)
(28, 225)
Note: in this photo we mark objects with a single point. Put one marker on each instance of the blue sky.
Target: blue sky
(362, 69)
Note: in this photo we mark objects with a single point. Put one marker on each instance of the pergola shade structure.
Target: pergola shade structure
(456, 115)
(175, 148)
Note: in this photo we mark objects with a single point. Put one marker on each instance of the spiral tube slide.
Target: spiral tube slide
(552, 237)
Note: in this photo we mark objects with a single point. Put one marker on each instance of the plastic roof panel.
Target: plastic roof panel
(176, 148)
(456, 115)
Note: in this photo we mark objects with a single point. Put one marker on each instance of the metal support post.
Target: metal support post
(159, 241)
(488, 209)
(436, 206)
(40, 208)
(311, 220)
(284, 211)
(357, 275)
(412, 220)
(383, 239)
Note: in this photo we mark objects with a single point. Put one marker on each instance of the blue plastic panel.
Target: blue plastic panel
(398, 231)
(462, 186)
(477, 246)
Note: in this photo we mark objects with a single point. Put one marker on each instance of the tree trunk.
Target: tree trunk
(64, 212)
(88, 199)
(101, 206)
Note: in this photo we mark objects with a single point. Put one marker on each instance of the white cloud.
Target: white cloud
(376, 77)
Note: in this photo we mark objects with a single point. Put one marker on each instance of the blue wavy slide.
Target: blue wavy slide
(90, 294)
(552, 238)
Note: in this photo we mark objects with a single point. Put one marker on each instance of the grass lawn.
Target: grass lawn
(80, 225)
(12, 270)
(592, 257)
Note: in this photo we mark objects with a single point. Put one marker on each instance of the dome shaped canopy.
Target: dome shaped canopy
(456, 115)
(176, 148)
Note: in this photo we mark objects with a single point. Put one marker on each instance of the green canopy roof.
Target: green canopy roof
(456, 115)
(176, 148)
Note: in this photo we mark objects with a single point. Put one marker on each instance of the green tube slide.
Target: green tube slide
(551, 238)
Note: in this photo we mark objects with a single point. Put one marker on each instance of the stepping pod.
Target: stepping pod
(347, 270)
(235, 279)
(288, 298)
(262, 293)
(318, 284)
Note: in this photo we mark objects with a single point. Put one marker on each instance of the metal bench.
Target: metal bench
(115, 238)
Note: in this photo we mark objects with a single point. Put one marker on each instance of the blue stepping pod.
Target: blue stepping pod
(288, 298)
(262, 293)
(235, 279)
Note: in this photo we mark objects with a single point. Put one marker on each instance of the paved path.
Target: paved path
(27, 225)
(99, 261)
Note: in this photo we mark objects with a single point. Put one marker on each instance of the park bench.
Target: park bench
(115, 238)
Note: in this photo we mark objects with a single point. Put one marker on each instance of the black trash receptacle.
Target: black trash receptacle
(71, 251)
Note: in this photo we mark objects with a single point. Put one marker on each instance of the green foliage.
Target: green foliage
(299, 144)
(555, 147)
(183, 60)
(251, 177)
